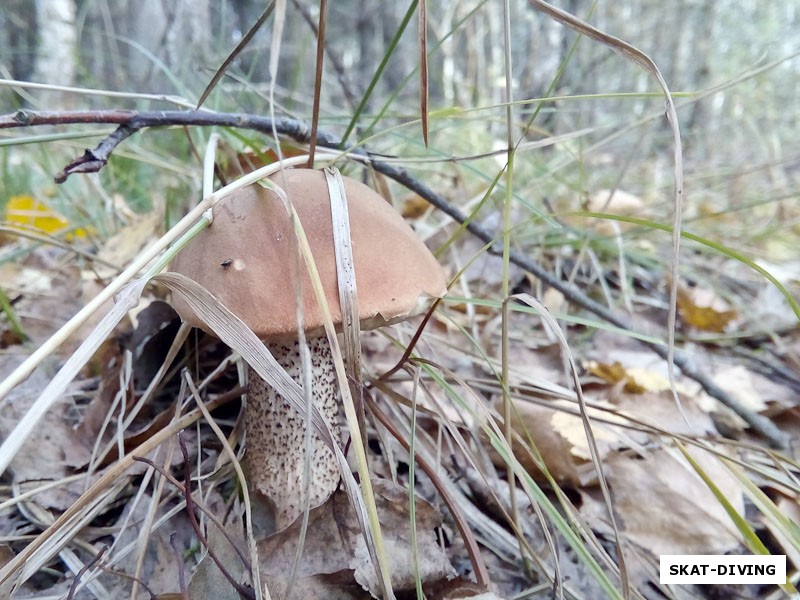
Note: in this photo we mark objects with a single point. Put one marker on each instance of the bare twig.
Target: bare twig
(132, 121)
(74, 586)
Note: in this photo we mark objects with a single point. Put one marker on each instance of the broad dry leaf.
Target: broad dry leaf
(122, 247)
(42, 298)
(752, 390)
(659, 409)
(334, 544)
(637, 380)
(119, 250)
(738, 381)
(666, 508)
(532, 422)
(571, 428)
(414, 207)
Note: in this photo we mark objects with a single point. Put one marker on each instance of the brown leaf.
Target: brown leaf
(615, 373)
(122, 247)
(560, 438)
(666, 508)
(414, 207)
(533, 422)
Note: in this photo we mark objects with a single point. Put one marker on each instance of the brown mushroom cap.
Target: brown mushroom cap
(246, 258)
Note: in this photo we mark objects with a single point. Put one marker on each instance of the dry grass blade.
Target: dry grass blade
(235, 52)
(323, 9)
(423, 67)
(366, 509)
(438, 479)
(236, 335)
(126, 300)
(346, 280)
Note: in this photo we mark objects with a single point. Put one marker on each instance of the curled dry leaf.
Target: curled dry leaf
(560, 438)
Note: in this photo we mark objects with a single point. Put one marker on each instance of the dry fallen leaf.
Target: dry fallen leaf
(615, 373)
(54, 447)
(666, 508)
(122, 247)
(29, 213)
(43, 298)
(703, 309)
(334, 545)
(414, 207)
(560, 438)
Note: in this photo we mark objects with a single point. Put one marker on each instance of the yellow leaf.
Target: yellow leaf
(701, 309)
(637, 380)
(25, 211)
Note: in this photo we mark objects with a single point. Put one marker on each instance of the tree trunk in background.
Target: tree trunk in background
(18, 42)
(56, 51)
(173, 46)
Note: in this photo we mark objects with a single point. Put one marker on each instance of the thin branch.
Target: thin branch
(131, 122)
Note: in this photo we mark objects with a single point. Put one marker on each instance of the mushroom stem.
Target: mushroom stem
(276, 434)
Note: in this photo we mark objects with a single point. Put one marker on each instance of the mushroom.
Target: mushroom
(248, 259)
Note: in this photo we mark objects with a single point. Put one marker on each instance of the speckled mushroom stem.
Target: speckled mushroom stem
(276, 434)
